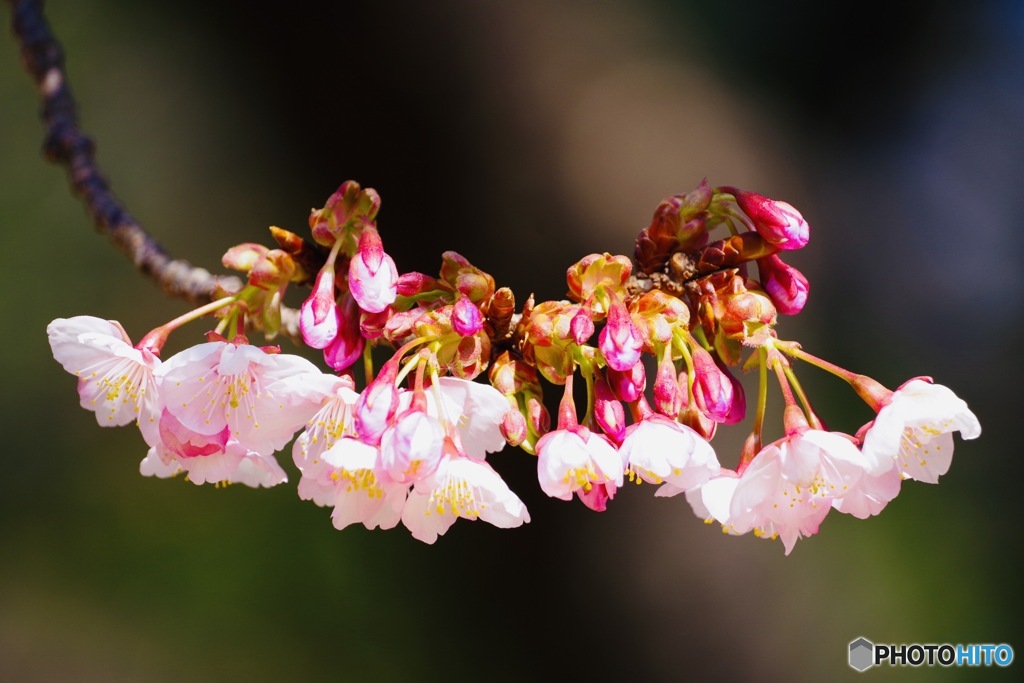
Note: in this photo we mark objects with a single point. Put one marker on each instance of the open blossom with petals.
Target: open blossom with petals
(213, 458)
(658, 449)
(362, 492)
(913, 432)
(870, 495)
(475, 409)
(461, 487)
(372, 275)
(115, 380)
(788, 488)
(329, 425)
(569, 460)
(262, 398)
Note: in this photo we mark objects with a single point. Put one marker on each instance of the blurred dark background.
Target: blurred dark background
(523, 135)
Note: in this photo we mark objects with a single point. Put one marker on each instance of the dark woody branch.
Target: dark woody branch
(66, 145)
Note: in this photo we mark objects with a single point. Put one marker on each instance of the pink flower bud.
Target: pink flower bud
(539, 417)
(348, 343)
(620, 341)
(581, 326)
(371, 325)
(778, 222)
(608, 411)
(372, 275)
(466, 317)
(318, 316)
(628, 386)
(668, 396)
(411, 284)
(513, 427)
(713, 391)
(786, 285)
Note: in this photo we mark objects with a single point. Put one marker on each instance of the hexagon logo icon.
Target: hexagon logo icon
(862, 654)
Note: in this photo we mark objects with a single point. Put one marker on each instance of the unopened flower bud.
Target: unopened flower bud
(372, 275)
(513, 427)
(778, 222)
(608, 411)
(347, 345)
(786, 285)
(628, 386)
(466, 317)
(620, 341)
(668, 396)
(318, 316)
(244, 257)
(713, 391)
(371, 325)
(411, 284)
(581, 326)
(538, 416)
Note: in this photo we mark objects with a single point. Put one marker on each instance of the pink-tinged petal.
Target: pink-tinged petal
(155, 466)
(658, 449)
(569, 460)
(422, 521)
(381, 510)
(115, 381)
(412, 448)
(870, 496)
(476, 409)
(461, 487)
(185, 443)
(913, 432)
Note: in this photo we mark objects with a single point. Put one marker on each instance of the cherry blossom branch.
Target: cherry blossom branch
(66, 145)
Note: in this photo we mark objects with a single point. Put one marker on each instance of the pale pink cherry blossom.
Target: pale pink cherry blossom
(213, 458)
(659, 450)
(362, 492)
(870, 495)
(475, 409)
(372, 275)
(460, 487)
(788, 487)
(328, 426)
(575, 459)
(116, 381)
(262, 397)
(913, 430)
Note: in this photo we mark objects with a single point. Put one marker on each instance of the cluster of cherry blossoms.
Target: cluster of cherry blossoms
(411, 446)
